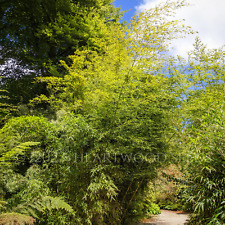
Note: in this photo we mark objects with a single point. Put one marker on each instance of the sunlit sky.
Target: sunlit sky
(205, 16)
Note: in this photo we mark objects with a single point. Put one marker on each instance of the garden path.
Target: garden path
(167, 217)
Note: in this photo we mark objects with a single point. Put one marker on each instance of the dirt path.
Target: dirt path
(167, 217)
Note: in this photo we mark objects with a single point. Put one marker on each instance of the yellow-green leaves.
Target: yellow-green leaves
(12, 154)
(150, 32)
(130, 54)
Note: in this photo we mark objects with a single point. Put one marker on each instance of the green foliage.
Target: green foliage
(202, 136)
(6, 109)
(54, 210)
(18, 150)
(36, 35)
(125, 103)
(152, 209)
(206, 188)
(25, 129)
(142, 207)
(122, 111)
(51, 203)
(167, 189)
(47, 205)
(30, 199)
(44, 32)
(2, 204)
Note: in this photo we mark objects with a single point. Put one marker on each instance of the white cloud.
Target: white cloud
(205, 16)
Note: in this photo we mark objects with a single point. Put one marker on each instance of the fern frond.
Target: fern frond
(37, 206)
(32, 212)
(18, 150)
(56, 203)
(16, 218)
(25, 213)
(2, 204)
(29, 208)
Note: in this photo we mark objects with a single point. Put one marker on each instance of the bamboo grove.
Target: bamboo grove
(93, 109)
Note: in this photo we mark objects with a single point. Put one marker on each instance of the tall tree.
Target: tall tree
(38, 34)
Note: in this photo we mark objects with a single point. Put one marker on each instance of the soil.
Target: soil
(167, 217)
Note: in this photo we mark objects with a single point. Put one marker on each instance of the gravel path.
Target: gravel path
(167, 217)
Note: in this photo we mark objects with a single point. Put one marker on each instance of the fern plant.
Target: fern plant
(55, 203)
(13, 153)
(29, 212)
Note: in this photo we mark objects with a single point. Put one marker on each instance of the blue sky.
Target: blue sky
(128, 5)
(205, 16)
